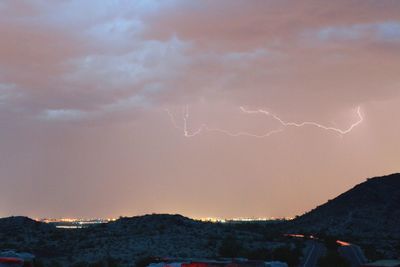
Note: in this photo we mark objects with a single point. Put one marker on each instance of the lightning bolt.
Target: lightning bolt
(185, 118)
(283, 124)
(205, 128)
(308, 123)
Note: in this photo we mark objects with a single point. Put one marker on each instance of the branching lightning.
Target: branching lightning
(283, 124)
(308, 123)
(185, 118)
(205, 128)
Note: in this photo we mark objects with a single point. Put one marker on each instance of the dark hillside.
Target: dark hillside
(368, 214)
(371, 208)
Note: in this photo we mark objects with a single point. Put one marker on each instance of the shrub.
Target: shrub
(288, 255)
(333, 259)
(230, 247)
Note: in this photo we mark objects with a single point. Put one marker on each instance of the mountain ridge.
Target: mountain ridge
(367, 214)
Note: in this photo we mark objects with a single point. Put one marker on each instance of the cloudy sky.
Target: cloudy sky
(114, 107)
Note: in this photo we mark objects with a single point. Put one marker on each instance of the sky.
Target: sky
(205, 108)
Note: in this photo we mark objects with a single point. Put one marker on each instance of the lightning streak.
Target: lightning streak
(185, 118)
(205, 128)
(283, 124)
(308, 123)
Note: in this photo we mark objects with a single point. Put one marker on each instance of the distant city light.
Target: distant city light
(226, 220)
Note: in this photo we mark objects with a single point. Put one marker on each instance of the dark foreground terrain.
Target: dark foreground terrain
(129, 240)
(368, 215)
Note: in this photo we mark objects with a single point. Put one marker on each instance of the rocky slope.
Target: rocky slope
(370, 209)
(368, 214)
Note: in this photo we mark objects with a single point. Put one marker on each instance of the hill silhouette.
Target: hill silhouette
(370, 209)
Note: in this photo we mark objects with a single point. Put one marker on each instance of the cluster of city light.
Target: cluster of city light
(282, 124)
(69, 226)
(226, 220)
(74, 223)
(210, 219)
(76, 220)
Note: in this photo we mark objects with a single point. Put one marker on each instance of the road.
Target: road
(314, 252)
(353, 254)
(315, 249)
